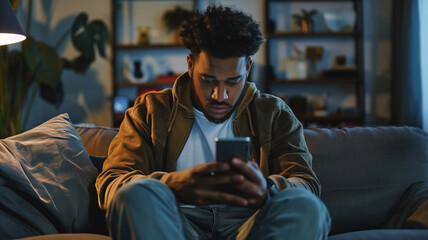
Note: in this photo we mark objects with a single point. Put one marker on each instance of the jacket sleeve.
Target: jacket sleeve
(130, 154)
(289, 156)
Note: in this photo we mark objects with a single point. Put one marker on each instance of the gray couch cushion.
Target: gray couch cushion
(365, 170)
(383, 235)
(45, 177)
(69, 236)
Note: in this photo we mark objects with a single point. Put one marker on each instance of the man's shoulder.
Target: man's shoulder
(269, 107)
(156, 103)
(269, 102)
(163, 97)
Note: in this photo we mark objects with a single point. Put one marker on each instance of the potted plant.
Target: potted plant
(174, 18)
(38, 67)
(304, 20)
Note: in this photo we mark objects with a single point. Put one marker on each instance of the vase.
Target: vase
(134, 71)
(137, 73)
(307, 26)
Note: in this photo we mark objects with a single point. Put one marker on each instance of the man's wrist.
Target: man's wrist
(271, 187)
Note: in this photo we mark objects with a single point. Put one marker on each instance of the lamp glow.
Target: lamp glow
(10, 38)
(10, 30)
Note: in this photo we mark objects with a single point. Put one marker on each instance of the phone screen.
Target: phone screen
(227, 148)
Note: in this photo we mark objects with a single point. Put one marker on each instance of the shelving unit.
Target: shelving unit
(277, 83)
(121, 87)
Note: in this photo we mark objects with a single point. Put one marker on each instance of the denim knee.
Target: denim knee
(307, 203)
(143, 208)
(301, 199)
(146, 189)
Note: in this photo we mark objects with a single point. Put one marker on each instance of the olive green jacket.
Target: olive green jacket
(154, 131)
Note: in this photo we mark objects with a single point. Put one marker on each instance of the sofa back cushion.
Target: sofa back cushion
(96, 139)
(365, 170)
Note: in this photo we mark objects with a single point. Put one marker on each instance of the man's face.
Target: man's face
(217, 83)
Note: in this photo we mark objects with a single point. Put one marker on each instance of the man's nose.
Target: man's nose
(219, 93)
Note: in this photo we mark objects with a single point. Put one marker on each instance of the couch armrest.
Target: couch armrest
(412, 210)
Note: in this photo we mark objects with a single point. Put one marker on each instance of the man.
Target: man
(161, 180)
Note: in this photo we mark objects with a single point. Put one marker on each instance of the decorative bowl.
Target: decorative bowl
(339, 21)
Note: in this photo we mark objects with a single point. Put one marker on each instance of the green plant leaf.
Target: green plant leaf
(305, 13)
(43, 62)
(174, 17)
(79, 64)
(51, 94)
(100, 35)
(297, 17)
(82, 36)
(17, 68)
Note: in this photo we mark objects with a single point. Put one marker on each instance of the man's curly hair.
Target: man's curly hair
(222, 32)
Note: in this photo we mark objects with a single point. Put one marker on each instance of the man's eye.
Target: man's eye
(208, 81)
(233, 82)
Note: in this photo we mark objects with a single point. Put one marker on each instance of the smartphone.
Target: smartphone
(227, 148)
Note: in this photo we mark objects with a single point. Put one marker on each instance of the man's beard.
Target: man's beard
(222, 120)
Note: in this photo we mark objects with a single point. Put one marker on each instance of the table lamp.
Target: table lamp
(10, 30)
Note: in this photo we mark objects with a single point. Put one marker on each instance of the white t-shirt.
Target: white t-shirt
(200, 146)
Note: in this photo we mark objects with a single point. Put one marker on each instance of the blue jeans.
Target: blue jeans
(147, 209)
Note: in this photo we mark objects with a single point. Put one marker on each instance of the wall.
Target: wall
(377, 50)
(87, 97)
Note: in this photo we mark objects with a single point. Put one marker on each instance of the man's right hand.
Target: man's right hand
(197, 185)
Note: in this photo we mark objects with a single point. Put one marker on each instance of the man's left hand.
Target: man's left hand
(254, 186)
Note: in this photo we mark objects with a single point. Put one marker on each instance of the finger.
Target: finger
(248, 189)
(214, 167)
(250, 170)
(256, 202)
(212, 181)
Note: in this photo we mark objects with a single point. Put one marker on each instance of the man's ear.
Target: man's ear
(248, 67)
(189, 64)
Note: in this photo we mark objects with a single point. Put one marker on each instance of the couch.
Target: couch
(374, 181)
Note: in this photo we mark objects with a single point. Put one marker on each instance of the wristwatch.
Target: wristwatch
(271, 186)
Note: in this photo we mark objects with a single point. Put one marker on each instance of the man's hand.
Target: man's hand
(254, 186)
(199, 185)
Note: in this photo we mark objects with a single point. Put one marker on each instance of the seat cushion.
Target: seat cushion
(381, 234)
(69, 236)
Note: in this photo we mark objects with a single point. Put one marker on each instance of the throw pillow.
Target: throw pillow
(412, 211)
(45, 174)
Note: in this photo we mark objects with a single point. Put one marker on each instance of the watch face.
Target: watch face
(272, 188)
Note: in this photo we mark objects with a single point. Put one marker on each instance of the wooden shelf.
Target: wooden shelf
(279, 47)
(146, 84)
(311, 0)
(284, 34)
(156, 49)
(150, 46)
(316, 80)
(331, 118)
